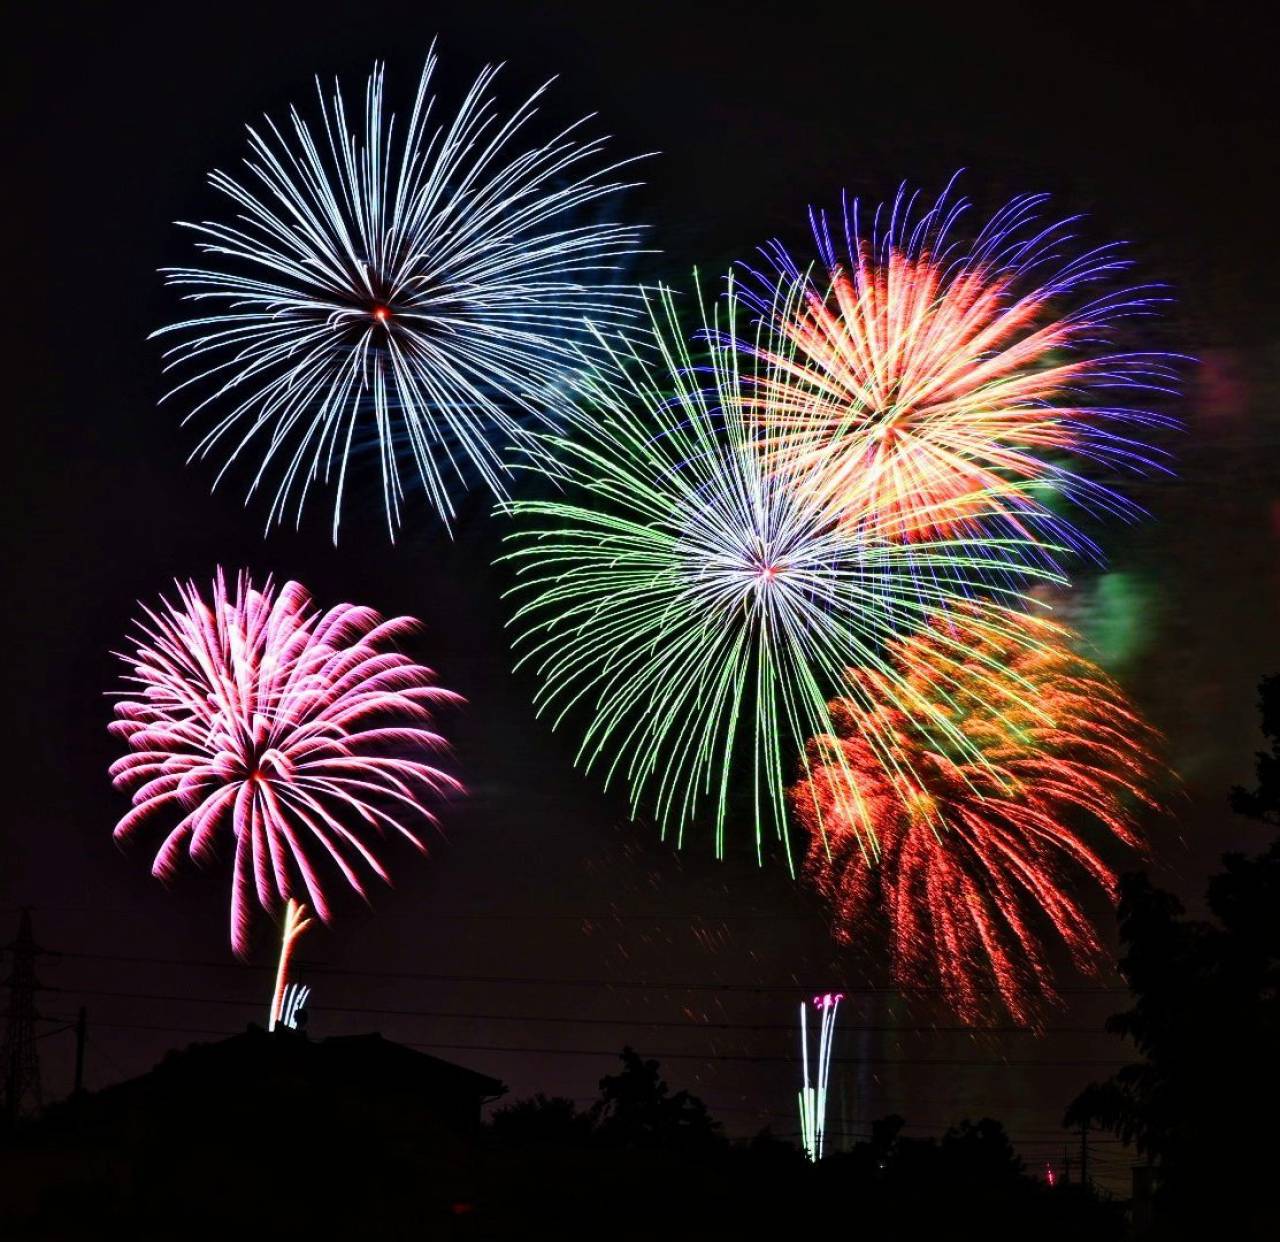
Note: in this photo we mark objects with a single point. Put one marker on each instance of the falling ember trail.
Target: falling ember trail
(979, 857)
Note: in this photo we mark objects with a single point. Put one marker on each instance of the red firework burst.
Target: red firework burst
(978, 850)
(301, 734)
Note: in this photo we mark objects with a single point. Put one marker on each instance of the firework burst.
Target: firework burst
(297, 734)
(688, 603)
(408, 293)
(938, 385)
(977, 858)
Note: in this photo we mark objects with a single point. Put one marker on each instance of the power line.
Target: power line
(1019, 1137)
(57, 1030)
(1022, 1138)
(569, 1020)
(98, 1050)
(541, 981)
(765, 1059)
(750, 1058)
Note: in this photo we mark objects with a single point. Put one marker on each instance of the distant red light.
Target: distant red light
(382, 313)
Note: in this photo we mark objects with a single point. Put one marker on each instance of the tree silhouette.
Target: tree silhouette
(548, 1121)
(1263, 803)
(1206, 1019)
(980, 1151)
(637, 1109)
(885, 1133)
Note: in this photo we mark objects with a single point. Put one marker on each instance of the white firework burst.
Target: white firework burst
(415, 290)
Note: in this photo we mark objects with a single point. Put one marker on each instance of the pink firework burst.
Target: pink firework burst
(303, 735)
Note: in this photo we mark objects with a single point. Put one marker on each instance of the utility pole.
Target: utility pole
(1084, 1153)
(19, 1060)
(82, 1036)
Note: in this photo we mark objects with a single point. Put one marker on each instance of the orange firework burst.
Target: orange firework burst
(932, 389)
(977, 850)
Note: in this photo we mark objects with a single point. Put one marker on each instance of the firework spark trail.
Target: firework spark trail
(813, 1099)
(415, 288)
(292, 1003)
(978, 858)
(936, 385)
(295, 923)
(299, 734)
(690, 605)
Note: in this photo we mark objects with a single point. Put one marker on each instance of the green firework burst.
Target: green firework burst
(689, 608)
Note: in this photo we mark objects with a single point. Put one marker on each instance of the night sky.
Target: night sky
(1158, 124)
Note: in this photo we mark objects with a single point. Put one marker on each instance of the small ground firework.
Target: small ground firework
(977, 857)
(291, 735)
(939, 384)
(406, 295)
(295, 923)
(813, 1098)
(292, 1006)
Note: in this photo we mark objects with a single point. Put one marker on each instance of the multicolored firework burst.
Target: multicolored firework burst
(977, 858)
(299, 734)
(693, 607)
(409, 293)
(936, 385)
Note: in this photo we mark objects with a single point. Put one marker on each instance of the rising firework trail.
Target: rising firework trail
(295, 923)
(399, 298)
(978, 859)
(296, 739)
(690, 609)
(813, 1094)
(938, 381)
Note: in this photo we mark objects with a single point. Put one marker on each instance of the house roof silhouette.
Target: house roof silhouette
(287, 1069)
(271, 1128)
